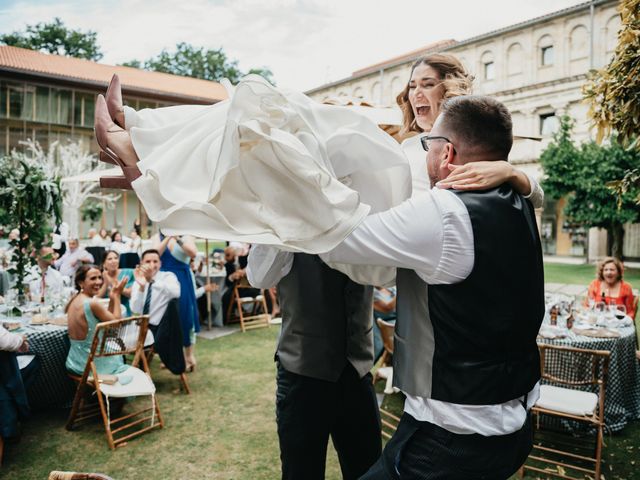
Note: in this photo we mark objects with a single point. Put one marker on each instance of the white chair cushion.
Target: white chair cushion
(567, 400)
(141, 384)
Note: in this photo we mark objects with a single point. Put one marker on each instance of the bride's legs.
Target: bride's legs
(114, 101)
(112, 139)
(116, 144)
(127, 117)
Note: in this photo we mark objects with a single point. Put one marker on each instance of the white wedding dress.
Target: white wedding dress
(267, 166)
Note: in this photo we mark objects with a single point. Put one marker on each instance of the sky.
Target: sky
(306, 43)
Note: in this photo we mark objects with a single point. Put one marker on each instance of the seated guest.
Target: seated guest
(384, 307)
(135, 242)
(84, 312)
(234, 273)
(94, 238)
(117, 244)
(43, 279)
(152, 289)
(16, 373)
(608, 287)
(75, 256)
(103, 239)
(112, 275)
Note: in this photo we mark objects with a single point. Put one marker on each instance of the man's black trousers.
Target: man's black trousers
(309, 410)
(424, 451)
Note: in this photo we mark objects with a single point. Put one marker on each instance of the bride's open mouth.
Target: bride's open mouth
(423, 110)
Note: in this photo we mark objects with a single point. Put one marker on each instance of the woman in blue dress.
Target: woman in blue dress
(175, 255)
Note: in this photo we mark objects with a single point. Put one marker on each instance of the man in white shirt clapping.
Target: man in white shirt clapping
(153, 289)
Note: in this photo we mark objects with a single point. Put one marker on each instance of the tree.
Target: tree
(614, 94)
(30, 193)
(580, 173)
(56, 38)
(190, 61)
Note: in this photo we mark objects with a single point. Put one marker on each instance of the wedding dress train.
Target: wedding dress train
(266, 166)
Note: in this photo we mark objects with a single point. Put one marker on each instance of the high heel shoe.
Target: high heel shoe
(113, 98)
(105, 126)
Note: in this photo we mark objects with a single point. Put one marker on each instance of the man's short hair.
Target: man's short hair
(149, 252)
(482, 124)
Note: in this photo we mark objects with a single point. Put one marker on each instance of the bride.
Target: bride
(267, 166)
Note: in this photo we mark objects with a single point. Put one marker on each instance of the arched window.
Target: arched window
(396, 87)
(488, 66)
(579, 43)
(514, 59)
(611, 35)
(358, 92)
(546, 50)
(376, 93)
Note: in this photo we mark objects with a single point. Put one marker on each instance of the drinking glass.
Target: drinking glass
(620, 311)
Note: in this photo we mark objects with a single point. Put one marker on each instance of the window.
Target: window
(15, 101)
(547, 55)
(548, 124)
(83, 109)
(489, 71)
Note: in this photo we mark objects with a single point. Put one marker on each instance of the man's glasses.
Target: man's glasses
(426, 141)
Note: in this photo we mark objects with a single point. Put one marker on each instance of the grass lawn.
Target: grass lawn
(226, 428)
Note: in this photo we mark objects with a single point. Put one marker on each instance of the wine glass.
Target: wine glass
(620, 311)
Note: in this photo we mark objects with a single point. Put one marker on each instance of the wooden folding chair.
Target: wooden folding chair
(55, 475)
(385, 371)
(258, 317)
(577, 394)
(125, 336)
(385, 368)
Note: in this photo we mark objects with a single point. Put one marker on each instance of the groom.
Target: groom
(467, 360)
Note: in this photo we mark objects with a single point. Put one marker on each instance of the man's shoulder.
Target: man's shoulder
(166, 276)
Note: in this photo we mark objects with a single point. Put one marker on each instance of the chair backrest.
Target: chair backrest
(119, 337)
(55, 475)
(243, 282)
(575, 367)
(97, 253)
(386, 331)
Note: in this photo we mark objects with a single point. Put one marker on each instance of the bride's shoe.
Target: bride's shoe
(117, 148)
(114, 101)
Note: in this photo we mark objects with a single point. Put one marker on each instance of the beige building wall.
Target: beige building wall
(537, 68)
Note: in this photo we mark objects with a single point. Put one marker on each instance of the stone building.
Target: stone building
(537, 68)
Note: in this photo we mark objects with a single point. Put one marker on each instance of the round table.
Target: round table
(622, 395)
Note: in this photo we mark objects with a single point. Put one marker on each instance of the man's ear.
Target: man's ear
(447, 156)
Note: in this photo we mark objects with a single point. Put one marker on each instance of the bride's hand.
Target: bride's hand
(477, 175)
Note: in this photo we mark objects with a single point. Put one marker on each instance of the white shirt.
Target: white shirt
(119, 247)
(53, 282)
(98, 241)
(431, 234)
(65, 264)
(9, 342)
(165, 288)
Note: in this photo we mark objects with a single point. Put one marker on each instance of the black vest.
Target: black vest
(485, 327)
(327, 321)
